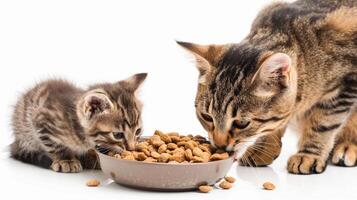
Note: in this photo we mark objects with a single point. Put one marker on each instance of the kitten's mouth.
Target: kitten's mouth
(105, 148)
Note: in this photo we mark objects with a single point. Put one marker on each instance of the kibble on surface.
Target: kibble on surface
(230, 179)
(268, 186)
(93, 183)
(205, 188)
(225, 185)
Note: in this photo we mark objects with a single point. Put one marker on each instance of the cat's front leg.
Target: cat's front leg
(319, 128)
(51, 140)
(265, 150)
(63, 160)
(345, 149)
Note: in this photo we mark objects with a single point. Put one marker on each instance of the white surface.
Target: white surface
(90, 41)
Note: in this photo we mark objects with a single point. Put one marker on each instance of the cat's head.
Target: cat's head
(243, 92)
(110, 113)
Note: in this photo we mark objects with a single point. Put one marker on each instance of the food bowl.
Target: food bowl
(163, 176)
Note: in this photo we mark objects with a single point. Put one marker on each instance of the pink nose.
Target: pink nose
(220, 139)
(131, 145)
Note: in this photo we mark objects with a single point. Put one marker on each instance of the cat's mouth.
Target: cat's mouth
(105, 148)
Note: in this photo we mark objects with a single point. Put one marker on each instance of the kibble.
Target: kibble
(155, 154)
(164, 157)
(150, 160)
(230, 179)
(268, 186)
(129, 157)
(173, 148)
(219, 156)
(188, 154)
(225, 185)
(141, 156)
(141, 146)
(93, 183)
(205, 188)
(162, 148)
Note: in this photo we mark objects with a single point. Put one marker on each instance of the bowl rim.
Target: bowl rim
(231, 157)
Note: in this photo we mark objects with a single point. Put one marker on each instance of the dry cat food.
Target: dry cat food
(93, 183)
(205, 188)
(230, 179)
(268, 186)
(173, 148)
(225, 185)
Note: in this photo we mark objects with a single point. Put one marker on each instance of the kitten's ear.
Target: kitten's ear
(95, 103)
(134, 82)
(273, 74)
(207, 56)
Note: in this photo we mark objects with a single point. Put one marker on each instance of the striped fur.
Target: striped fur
(56, 124)
(298, 64)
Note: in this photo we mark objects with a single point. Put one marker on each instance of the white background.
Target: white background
(96, 41)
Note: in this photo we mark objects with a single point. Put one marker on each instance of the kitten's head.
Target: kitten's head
(243, 92)
(111, 113)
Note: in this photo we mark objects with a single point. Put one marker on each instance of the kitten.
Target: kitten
(299, 64)
(55, 123)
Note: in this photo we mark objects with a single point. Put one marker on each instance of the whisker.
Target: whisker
(264, 151)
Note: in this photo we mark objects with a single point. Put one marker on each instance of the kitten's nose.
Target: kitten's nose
(220, 139)
(131, 145)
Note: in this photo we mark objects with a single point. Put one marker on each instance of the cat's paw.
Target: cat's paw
(66, 166)
(301, 163)
(345, 154)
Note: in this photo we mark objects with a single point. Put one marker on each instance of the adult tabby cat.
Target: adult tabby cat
(55, 123)
(299, 63)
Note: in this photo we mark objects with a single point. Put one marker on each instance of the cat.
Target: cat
(298, 64)
(57, 125)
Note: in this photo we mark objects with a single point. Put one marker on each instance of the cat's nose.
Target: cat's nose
(130, 144)
(220, 139)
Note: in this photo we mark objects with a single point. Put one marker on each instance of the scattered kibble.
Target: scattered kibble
(205, 188)
(225, 185)
(93, 183)
(268, 186)
(230, 179)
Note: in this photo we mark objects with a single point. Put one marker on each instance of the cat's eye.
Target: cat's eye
(207, 117)
(118, 135)
(240, 124)
(138, 132)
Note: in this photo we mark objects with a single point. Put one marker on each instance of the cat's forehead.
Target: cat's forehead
(118, 120)
(230, 80)
(127, 107)
(238, 62)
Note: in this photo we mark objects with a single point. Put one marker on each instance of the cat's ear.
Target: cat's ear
(95, 103)
(273, 74)
(134, 82)
(207, 57)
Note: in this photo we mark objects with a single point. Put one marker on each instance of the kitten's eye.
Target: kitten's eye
(206, 117)
(118, 135)
(240, 124)
(138, 132)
